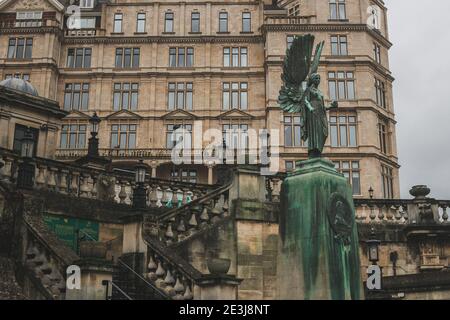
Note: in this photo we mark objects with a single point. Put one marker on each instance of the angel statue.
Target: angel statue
(295, 96)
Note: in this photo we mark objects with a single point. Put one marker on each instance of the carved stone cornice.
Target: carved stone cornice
(163, 39)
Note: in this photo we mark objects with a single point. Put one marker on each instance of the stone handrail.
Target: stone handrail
(46, 257)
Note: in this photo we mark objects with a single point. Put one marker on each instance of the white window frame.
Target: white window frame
(87, 4)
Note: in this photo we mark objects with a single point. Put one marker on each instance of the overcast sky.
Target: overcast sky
(420, 63)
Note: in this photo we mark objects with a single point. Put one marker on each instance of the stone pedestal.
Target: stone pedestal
(318, 255)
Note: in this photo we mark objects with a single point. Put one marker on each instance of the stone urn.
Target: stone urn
(90, 249)
(218, 266)
(419, 192)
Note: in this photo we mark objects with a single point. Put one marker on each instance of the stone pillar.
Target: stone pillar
(217, 287)
(210, 173)
(154, 166)
(318, 255)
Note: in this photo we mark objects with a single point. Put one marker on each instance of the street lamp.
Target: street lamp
(139, 194)
(373, 248)
(94, 121)
(26, 170)
(371, 192)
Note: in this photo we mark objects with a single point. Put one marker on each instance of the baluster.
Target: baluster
(51, 178)
(225, 204)
(123, 192)
(389, 215)
(174, 197)
(204, 217)
(363, 213)
(192, 222)
(130, 186)
(151, 268)
(372, 214)
(84, 187)
(165, 196)
(153, 196)
(62, 185)
(41, 179)
(169, 233)
(74, 183)
(444, 213)
(159, 196)
(169, 281)
(188, 293)
(398, 215)
(179, 288)
(216, 212)
(181, 229)
(160, 272)
(184, 198)
(405, 213)
(94, 189)
(380, 212)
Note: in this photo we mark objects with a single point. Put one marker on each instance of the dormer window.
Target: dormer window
(86, 4)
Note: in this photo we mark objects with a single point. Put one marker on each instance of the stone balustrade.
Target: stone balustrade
(182, 223)
(398, 211)
(169, 277)
(91, 183)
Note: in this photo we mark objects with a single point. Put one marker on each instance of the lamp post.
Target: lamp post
(373, 248)
(26, 170)
(139, 193)
(374, 272)
(94, 121)
(371, 192)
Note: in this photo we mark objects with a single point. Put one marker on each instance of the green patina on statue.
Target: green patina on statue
(318, 255)
(295, 98)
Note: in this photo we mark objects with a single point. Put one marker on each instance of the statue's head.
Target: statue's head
(314, 79)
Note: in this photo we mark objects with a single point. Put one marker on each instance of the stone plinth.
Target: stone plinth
(318, 255)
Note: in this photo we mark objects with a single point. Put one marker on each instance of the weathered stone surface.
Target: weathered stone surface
(9, 289)
(318, 257)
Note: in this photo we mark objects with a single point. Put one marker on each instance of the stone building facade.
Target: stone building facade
(149, 67)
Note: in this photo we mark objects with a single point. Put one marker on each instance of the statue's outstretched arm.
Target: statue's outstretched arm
(334, 105)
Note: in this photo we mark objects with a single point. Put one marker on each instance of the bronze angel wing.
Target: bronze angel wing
(297, 65)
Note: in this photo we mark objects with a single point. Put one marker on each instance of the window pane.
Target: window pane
(332, 89)
(343, 135)
(243, 57)
(244, 101)
(171, 101)
(334, 136)
(356, 185)
(352, 142)
(350, 90)
(132, 140)
(341, 85)
(87, 57)
(226, 100)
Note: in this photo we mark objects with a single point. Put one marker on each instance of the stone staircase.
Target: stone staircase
(9, 288)
(128, 284)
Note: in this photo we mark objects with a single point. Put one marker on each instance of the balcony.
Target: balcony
(28, 23)
(286, 20)
(78, 33)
